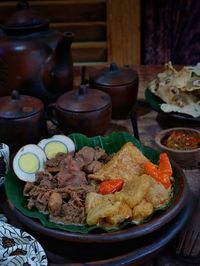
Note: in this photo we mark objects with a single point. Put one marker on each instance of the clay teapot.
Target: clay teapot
(22, 120)
(34, 60)
(122, 86)
(84, 110)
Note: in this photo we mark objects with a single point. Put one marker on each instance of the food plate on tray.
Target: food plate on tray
(98, 233)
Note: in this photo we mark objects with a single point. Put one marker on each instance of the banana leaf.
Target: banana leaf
(112, 143)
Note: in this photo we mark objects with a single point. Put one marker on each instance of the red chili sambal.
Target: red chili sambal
(182, 140)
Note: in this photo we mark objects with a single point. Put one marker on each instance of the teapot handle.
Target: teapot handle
(51, 114)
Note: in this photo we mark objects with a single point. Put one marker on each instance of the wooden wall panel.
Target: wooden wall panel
(105, 30)
(72, 11)
(86, 31)
(124, 31)
(92, 55)
(62, 11)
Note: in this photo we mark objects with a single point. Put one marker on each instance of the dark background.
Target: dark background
(170, 31)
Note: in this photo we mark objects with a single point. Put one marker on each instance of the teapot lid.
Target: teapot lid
(19, 106)
(24, 20)
(114, 76)
(83, 100)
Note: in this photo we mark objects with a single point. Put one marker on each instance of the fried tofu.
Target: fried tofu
(126, 163)
(106, 210)
(157, 194)
(142, 210)
(138, 198)
(134, 190)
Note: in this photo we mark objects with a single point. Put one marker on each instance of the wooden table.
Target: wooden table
(148, 126)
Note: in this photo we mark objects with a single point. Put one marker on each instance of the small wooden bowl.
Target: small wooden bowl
(187, 159)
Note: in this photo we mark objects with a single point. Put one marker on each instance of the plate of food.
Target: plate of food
(176, 93)
(86, 189)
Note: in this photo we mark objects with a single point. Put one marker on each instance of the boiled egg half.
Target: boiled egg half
(28, 161)
(56, 144)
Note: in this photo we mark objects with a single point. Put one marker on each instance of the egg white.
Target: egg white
(60, 140)
(28, 173)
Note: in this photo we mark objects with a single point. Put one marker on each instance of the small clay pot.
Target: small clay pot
(84, 110)
(187, 159)
(22, 120)
(122, 86)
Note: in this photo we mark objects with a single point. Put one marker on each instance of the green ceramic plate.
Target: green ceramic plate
(112, 143)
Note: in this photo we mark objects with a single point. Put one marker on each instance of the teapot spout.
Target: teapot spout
(62, 52)
(58, 70)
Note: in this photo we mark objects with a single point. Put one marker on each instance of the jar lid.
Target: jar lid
(83, 100)
(19, 106)
(114, 76)
(25, 20)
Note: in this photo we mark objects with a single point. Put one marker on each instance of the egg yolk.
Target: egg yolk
(29, 163)
(54, 147)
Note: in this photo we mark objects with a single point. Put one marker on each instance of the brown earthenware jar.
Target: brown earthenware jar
(34, 59)
(84, 110)
(22, 120)
(122, 86)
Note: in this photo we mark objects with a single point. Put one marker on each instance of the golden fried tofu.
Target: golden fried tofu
(143, 195)
(157, 194)
(126, 163)
(138, 199)
(142, 210)
(105, 210)
(123, 213)
(134, 190)
(93, 199)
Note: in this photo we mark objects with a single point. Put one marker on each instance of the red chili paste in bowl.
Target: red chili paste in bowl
(182, 140)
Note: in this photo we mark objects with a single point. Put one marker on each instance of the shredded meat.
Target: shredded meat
(60, 190)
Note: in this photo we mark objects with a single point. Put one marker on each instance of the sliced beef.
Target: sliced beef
(93, 167)
(70, 173)
(85, 156)
(88, 155)
(53, 165)
(100, 154)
